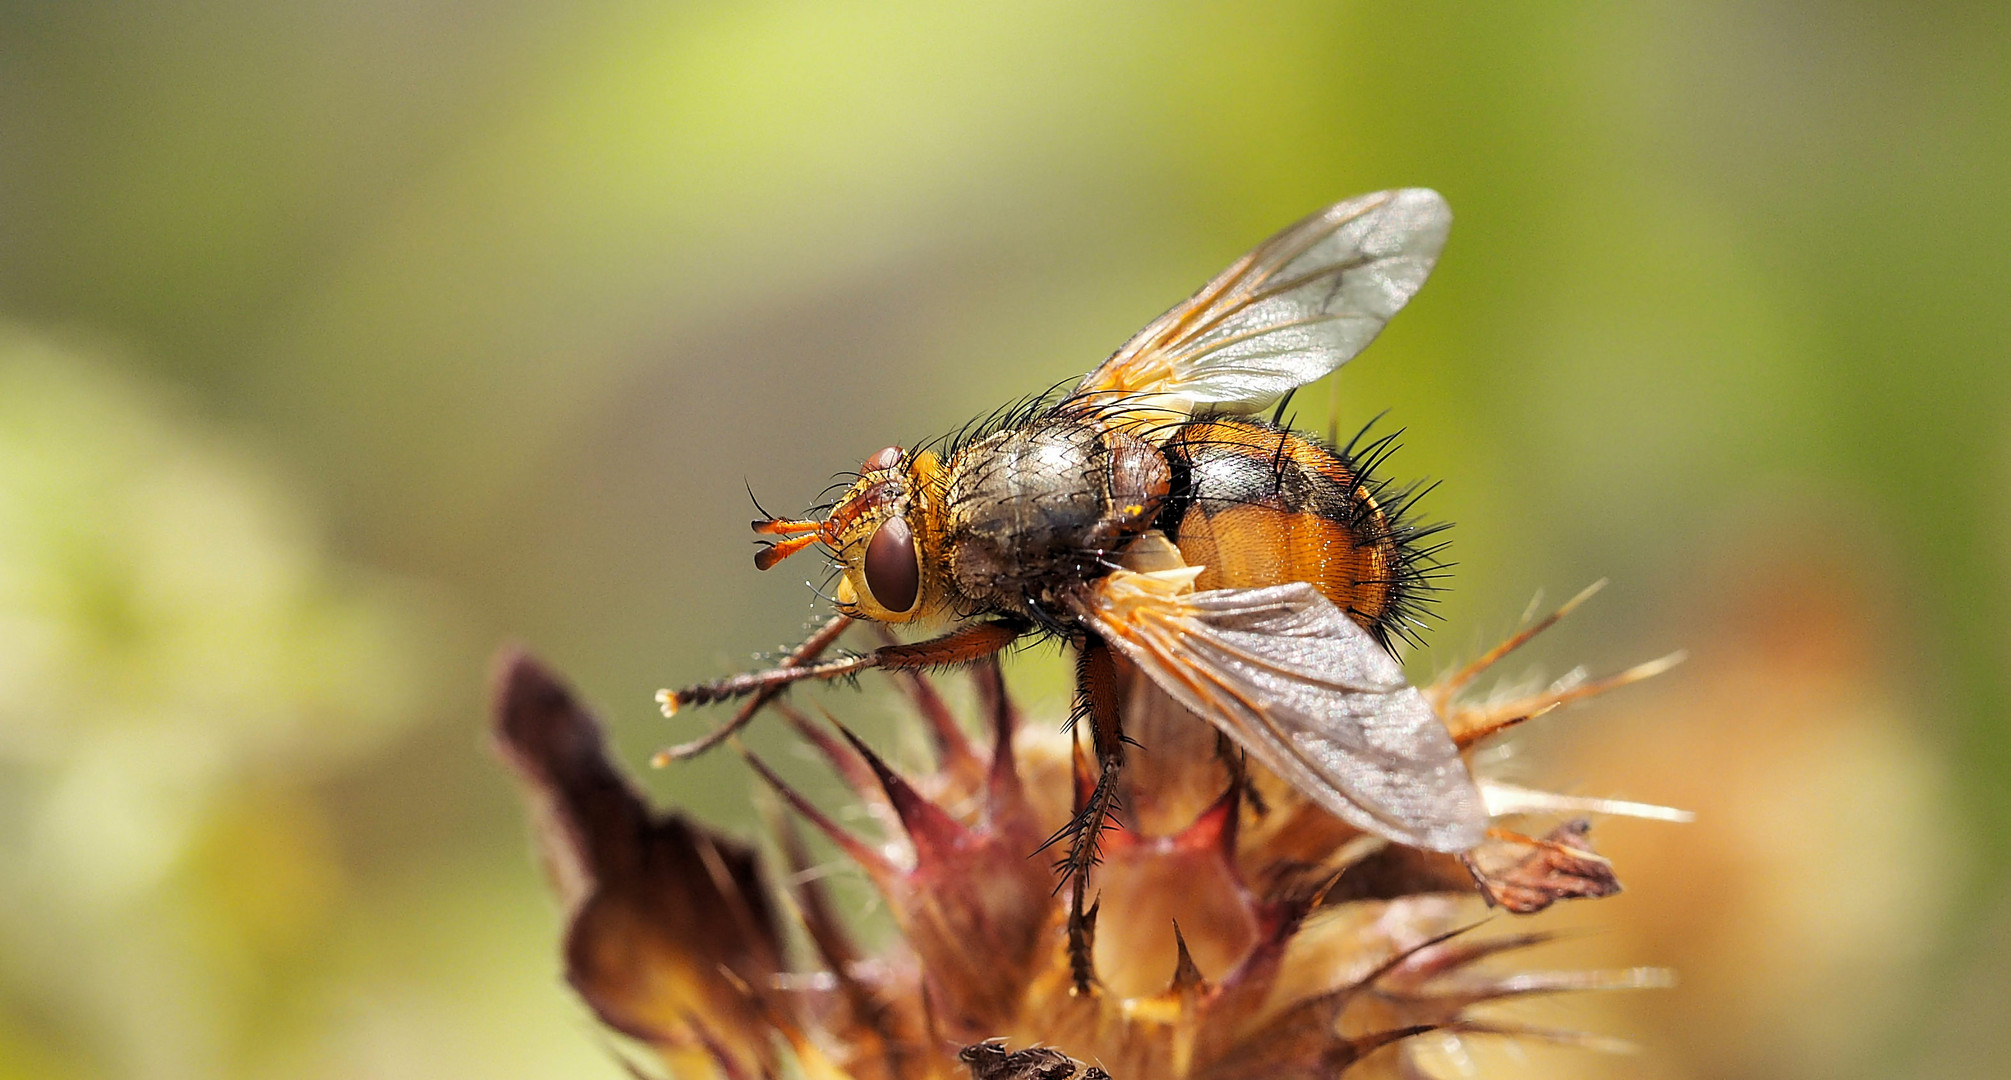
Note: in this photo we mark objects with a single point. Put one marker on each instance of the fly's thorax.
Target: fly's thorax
(1032, 509)
(886, 534)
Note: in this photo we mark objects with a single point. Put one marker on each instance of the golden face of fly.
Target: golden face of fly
(886, 535)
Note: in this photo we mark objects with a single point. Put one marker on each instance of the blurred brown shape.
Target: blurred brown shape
(670, 936)
(1560, 866)
(991, 1061)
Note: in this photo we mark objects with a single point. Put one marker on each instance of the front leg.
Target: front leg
(960, 646)
(812, 648)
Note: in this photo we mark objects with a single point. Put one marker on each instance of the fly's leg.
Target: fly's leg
(810, 650)
(1096, 689)
(961, 646)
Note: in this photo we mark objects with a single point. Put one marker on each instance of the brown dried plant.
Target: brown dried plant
(1238, 930)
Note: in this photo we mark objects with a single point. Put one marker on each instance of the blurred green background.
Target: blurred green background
(341, 342)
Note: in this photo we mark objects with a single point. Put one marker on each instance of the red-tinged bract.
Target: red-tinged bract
(1237, 931)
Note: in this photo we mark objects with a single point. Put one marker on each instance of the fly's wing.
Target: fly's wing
(1304, 690)
(1300, 305)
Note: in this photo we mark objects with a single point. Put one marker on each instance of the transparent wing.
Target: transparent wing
(1305, 691)
(1300, 305)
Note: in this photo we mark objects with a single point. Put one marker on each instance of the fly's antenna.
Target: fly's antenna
(774, 551)
(797, 534)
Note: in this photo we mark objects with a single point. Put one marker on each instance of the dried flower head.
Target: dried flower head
(1236, 929)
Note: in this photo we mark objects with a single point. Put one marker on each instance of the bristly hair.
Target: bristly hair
(1418, 574)
(1376, 511)
(1012, 414)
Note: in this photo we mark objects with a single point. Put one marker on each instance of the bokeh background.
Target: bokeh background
(341, 342)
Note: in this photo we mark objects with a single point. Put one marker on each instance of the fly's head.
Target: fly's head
(886, 534)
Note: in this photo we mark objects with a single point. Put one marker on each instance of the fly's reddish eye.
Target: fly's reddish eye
(892, 571)
(885, 459)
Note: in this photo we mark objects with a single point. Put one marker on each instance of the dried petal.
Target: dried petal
(1561, 866)
(670, 936)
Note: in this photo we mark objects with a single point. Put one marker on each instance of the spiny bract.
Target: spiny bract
(1239, 931)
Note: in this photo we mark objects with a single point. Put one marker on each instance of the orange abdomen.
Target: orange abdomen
(1259, 505)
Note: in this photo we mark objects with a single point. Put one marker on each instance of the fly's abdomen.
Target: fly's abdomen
(1259, 505)
(1033, 508)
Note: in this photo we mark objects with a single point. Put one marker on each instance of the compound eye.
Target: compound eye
(892, 571)
(885, 459)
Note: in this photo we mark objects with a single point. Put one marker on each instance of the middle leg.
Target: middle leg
(1096, 703)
